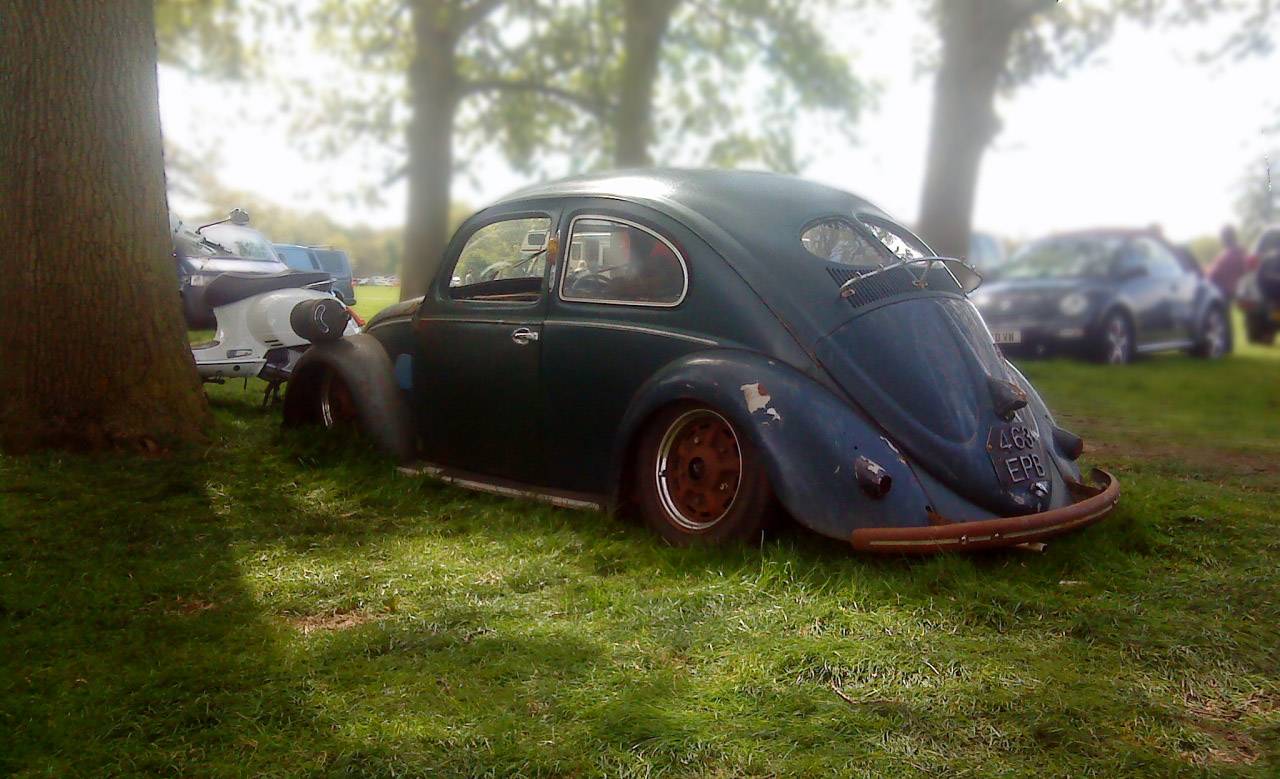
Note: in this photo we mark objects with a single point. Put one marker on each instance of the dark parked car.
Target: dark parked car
(702, 346)
(1259, 292)
(1107, 294)
(331, 261)
(229, 246)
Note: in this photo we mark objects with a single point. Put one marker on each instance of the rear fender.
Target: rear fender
(366, 369)
(810, 439)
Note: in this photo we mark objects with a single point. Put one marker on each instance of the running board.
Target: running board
(502, 487)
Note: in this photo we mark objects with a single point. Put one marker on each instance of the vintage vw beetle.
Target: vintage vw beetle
(703, 346)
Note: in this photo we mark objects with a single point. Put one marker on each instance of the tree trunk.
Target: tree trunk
(434, 94)
(93, 350)
(976, 35)
(645, 23)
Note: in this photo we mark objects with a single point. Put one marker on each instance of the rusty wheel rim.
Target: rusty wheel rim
(337, 407)
(699, 470)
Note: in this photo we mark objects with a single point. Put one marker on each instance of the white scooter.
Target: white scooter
(266, 322)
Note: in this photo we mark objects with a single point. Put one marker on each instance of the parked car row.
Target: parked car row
(230, 245)
(1105, 294)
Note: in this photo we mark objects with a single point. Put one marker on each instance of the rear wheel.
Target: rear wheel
(697, 480)
(335, 406)
(1115, 344)
(1214, 339)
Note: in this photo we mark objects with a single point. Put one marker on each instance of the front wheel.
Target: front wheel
(698, 481)
(1214, 339)
(1115, 345)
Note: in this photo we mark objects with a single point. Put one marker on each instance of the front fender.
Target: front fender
(366, 369)
(810, 439)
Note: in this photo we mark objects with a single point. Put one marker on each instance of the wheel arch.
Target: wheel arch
(808, 437)
(361, 362)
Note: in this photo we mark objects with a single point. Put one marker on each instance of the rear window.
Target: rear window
(333, 261)
(871, 243)
(296, 257)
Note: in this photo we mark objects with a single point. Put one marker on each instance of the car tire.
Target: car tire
(1258, 328)
(1115, 340)
(698, 480)
(1213, 341)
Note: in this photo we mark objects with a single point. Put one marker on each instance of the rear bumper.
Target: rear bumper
(1093, 502)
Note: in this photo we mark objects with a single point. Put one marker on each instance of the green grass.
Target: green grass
(276, 604)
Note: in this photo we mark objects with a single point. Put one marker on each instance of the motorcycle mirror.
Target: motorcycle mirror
(238, 216)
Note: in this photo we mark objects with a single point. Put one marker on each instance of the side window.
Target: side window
(1162, 261)
(612, 261)
(502, 261)
(1134, 259)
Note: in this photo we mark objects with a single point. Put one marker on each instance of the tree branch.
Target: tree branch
(475, 13)
(598, 108)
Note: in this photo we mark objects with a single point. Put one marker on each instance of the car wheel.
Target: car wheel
(1214, 339)
(335, 407)
(1115, 340)
(698, 480)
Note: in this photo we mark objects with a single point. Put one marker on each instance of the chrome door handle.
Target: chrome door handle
(524, 336)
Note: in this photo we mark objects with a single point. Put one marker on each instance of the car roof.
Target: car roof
(754, 220)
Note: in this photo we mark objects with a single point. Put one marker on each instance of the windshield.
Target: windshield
(243, 242)
(1063, 258)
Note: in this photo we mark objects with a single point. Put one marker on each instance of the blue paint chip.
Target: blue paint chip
(404, 371)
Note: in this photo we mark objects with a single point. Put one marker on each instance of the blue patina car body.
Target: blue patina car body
(883, 413)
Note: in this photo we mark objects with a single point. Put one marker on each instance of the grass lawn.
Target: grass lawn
(276, 604)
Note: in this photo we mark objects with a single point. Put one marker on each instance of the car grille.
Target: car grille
(898, 281)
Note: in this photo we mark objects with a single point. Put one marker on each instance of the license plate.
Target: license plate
(1007, 336)
(1016, 454)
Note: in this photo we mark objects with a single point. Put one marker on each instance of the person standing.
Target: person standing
(1229, 265)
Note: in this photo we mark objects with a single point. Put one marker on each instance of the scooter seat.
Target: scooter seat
(231, 287)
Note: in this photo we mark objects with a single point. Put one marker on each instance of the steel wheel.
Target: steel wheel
(337, 407)
(1117, 341)
(698, 470)
(1215, 334)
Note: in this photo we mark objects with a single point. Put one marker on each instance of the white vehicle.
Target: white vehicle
(266, 322)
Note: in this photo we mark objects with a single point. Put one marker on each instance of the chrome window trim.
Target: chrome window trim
(632, 329)
(573, 224)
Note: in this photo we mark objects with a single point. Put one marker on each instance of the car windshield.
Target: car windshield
(243, 242)
(1063, 258)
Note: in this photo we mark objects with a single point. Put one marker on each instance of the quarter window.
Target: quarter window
(502, 261)
(612, 261)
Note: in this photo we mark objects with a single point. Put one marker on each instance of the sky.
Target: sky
(1143, 134)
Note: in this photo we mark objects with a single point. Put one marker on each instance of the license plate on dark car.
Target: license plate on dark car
(1016, 454)
(1006, 336)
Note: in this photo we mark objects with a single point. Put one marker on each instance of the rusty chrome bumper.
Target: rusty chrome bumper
(1092, 504)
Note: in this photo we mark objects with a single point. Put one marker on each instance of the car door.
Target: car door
(617, 315)
(1144, 292)
(479, 402)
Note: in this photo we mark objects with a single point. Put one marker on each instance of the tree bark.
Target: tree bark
(645, 23)
(976, 35)
(93, 349)
(434, 91)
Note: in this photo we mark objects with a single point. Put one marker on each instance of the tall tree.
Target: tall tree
(92, 343)
(987, 46)
(578, 78)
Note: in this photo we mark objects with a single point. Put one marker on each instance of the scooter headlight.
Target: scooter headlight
(1074, 305)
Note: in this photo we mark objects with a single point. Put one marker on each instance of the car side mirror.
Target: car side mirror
(238, 216)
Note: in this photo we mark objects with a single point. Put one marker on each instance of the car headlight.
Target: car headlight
(1074, 304)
